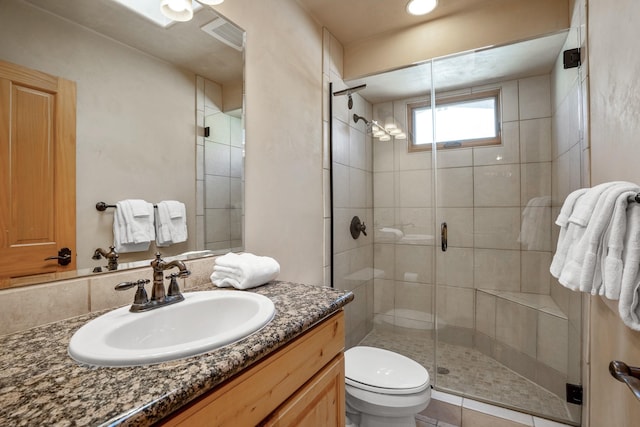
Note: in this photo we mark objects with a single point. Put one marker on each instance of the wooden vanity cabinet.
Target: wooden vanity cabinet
(301, 384)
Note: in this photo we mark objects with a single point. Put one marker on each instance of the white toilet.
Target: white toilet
(383, 388)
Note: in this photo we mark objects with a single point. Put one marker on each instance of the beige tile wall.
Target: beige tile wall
(30, 306)
(482, 193)
(352, 195)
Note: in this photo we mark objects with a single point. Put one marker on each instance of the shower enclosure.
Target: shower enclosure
(454, 269)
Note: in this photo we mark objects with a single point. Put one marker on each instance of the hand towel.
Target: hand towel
(578, 271)
(628, 305)
(244, 271)
(568, 231)
(611, 260)
(583, 210)
(581, 213)
(171, 223)
(133, 225)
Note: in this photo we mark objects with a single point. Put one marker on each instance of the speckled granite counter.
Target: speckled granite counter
(41, 385)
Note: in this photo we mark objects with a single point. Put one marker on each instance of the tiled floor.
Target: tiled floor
(446, 410)
(473, 374)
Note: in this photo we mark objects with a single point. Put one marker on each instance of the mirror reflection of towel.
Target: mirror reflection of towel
(534, 229)
(171, 223)
(133, 228)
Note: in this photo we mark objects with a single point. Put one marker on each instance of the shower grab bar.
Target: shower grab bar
(630, 375)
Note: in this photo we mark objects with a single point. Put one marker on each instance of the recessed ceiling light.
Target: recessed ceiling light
(421, 7)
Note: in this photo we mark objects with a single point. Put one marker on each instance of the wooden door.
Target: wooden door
(37, 172)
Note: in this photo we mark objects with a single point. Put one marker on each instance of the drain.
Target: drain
(442, 370)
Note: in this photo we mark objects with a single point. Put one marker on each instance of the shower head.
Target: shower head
(357, 118)
(348, 92)
(372, 125)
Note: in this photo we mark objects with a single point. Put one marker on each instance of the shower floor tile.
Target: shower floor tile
(473, 374)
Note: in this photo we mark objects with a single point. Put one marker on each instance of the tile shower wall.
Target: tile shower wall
(493, 286)
(219, 172)
(351, 167)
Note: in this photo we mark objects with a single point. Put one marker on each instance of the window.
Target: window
(461, 121)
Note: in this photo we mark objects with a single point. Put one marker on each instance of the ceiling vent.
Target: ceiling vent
(226, 32)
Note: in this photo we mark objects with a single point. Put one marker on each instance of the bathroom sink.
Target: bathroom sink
(204, 321)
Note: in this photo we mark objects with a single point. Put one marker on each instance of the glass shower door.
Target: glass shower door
(403, 202)
(502, 326)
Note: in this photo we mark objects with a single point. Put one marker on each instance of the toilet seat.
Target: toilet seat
(382, 371)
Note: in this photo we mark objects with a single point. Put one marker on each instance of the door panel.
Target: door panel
(37, 177)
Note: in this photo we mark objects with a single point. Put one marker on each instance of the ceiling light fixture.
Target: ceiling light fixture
(182, 10)
(421, 7)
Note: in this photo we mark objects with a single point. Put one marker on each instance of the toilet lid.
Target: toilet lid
(383, 371)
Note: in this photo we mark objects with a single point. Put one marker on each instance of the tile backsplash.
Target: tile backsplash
(26, 307)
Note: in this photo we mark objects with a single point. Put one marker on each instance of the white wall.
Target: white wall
(284, 155)
(614, 108)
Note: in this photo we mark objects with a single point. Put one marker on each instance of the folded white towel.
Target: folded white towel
(244, 271)
(133, 225)
(628, 305)
(171, 223)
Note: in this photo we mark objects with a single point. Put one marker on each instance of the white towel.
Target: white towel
(171, 223)
(133, 228)
(244, 271)
(628, 305)
(583, 210)
(611, 266)
(567, 231)
(580, 266)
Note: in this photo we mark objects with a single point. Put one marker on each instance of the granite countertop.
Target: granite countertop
(41, 385)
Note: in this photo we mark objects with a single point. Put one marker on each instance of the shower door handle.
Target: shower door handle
(443, 236)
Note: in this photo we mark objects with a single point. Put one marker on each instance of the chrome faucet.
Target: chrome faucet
(158, 296)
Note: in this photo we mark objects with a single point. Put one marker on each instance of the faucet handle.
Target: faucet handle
(174, 289)
(141, 294)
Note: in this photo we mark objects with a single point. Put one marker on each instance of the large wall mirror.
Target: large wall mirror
(159, 117)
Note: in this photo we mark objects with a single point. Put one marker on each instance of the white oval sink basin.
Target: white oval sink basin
(202, 322)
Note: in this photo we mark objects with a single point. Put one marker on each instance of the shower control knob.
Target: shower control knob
(357, 227)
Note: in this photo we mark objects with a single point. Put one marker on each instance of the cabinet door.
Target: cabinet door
(245, 400)
(319, 403)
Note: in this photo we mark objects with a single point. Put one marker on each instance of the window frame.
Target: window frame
(445, 100)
